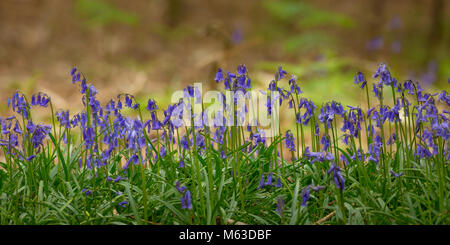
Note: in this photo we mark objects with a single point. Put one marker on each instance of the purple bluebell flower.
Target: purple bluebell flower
(17, 129)
(391, 139)
(40, 99)
(30, 158)
(290, 141)
(444, 97)
(181, 165)
(359, 78)
(384, 74)
(375, 44)
(316, 188)
(293, 85)
(329, 111)
(318, 156)
(123, 204)
(261, 182)
(280, 205)
(88, 137)
(423, 152)
(186, 200)
(376, 91)
(86, 192)
(237, 36)
(63, 118)
(325, 141)
(306, 193)
(375, 149)
(344, 159)
(156, 124)
(180, 188)
(269, 179)
(151, 105)
(119, 178)
(219, 76)
(305, 196)
(134, 159)
(184, 142)
(280, 74)
(241, 70)
(279, 184)
(396, 175)
(337, 176)
(18, 104)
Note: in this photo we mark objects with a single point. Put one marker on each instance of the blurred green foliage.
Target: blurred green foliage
(305, 15)
(96, 12)
(308, 22)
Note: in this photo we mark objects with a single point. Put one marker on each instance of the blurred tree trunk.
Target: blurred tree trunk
(435, 35)
(376, 22)
(174, 11)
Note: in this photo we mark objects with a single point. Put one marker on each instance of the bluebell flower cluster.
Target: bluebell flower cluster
(158, 135)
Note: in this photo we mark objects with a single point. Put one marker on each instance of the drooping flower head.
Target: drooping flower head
(337, 176)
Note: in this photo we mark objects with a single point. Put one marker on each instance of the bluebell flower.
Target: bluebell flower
(444, 97)
(156, 124)
(180, 188)
(306, 193)
(119, 178)
(325, 141)
(74, 69)
(290, 141)
(261, 182)
(318, 156)
(241, 70)
(280, 205)
(88, 137)
(184, 142)
(30, 158)
(17, 129)
(359, 78)
(329, 111)
(269, 179)
(344, 159)
(40, 99)
(63, 118)
(219, 76)
(376, 91)
(391, 139)
(375, 149)
(337, 176)
(186, 201)
(123, 204)
(305, 196)
(384, 74)
(134, 159)
(151, 105)
(280, 74)
(18, 104)
(237, 36)
(181, 165)
(375, 44)
(279, 184)
(422, 152)
(396, 175)
(293, 85)
(86, 192)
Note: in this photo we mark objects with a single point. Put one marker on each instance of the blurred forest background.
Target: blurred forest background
(150, 48)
